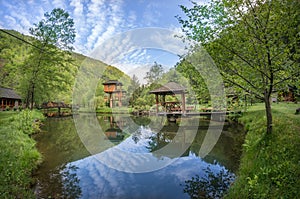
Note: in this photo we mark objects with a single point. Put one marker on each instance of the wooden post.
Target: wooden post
(156, 98)
(120, 98)
(183, 102)
(164, 100)
(110, 100)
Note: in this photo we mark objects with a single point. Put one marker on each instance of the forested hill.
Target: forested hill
(14, 52)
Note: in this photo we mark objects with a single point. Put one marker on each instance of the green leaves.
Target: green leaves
(56, 29)
(155, 73)
(253, 42)
(48, 67)
(18, 155)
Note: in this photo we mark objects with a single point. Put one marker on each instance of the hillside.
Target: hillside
(15, 48)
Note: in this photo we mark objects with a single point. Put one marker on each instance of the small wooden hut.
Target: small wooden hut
(9, 98)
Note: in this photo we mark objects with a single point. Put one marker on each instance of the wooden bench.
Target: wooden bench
(190, 108)
(207, 109)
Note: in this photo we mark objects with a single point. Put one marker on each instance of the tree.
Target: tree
(47, 69)
(255, 44)
(12, 54)
(196, 81)
(134, 90)
(156, 71)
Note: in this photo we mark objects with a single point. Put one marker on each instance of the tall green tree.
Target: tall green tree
(196, 81)
(133, 90)
(47, 69)
(156, 72)
(254, 43)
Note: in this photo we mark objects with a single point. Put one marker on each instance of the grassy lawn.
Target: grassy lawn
(6, 114)
(270, 165)
(18, 155)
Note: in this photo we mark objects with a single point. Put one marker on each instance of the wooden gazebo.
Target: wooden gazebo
(170, 88)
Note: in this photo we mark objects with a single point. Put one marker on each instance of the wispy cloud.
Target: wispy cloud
(152, 14)
(59, 3)
(96, 21)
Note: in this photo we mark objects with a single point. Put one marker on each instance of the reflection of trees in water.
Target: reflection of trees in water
(61, 142)
(141, 121)
(212, 185)
(60, 183)
(70, 181)
(226, 151)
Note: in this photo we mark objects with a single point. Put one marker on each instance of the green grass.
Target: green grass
(18, 155)
(5, 115)
(270, 165)
(107, 110)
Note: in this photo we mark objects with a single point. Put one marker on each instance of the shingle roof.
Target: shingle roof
(169, 88)
(112, 82)
(8, 93)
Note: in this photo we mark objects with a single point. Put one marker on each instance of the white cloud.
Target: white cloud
(59, 4)
(131, 20)
(95, 20)
(152, 15)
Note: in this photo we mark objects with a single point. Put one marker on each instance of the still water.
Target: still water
(131, 157)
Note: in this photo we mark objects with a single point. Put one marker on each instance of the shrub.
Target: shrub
(18, 154)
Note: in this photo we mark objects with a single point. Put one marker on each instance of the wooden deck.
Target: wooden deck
(195, 113)
(214, 115)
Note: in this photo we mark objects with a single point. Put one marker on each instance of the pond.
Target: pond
(123, 156)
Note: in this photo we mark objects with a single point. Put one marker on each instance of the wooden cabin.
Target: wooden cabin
(289, 95)
(9, 98)
(115, 93)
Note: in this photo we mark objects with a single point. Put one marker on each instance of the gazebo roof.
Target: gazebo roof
(8, 93)
(112, 82)
(169, 89)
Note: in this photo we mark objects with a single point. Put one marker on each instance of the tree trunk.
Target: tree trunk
(32, 96)
(268, 113)
(27, 99)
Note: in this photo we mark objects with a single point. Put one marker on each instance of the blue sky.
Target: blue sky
(97, 21)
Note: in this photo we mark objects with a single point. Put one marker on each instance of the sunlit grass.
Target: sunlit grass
(270, 163)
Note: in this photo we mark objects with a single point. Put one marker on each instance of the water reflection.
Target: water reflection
(211, 186)
(59, 144)
(99, 181)
(87, 176)
(62, 182)
(114, 132)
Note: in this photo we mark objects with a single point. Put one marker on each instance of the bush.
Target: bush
(18, 154)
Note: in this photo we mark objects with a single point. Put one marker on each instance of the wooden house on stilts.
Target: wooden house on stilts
(115, 93)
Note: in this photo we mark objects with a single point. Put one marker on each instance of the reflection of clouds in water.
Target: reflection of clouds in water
(97, 180)
(138, 142)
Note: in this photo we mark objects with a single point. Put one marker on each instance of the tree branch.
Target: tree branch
(242, 58)
(287, 78)
(245, 89)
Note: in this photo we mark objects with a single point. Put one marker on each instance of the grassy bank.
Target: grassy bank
(270, 165)
(18, 155)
